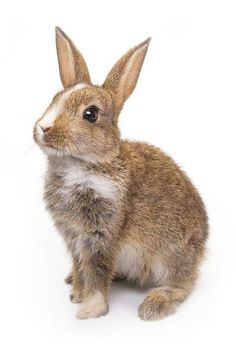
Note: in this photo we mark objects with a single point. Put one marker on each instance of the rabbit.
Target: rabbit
(125, 209)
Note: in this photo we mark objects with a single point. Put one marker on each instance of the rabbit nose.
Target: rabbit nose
(45, 129)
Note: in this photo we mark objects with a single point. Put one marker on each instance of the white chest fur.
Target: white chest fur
(75, 175)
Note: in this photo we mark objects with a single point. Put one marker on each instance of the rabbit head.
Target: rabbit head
(81, 120)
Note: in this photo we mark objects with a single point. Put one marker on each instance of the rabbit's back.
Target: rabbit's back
(158, 187)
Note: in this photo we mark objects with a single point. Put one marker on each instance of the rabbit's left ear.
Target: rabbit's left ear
(72, 66)
(123, 77)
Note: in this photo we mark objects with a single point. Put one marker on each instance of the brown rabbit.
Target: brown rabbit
(124, 209)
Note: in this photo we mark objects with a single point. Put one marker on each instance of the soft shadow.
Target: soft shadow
(126, 294)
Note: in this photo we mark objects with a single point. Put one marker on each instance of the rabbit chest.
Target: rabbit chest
(81, 202)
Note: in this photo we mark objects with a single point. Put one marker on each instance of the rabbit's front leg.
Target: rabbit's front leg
(97, 269)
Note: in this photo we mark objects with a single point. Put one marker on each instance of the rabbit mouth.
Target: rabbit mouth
(46, 146)
(52, 150)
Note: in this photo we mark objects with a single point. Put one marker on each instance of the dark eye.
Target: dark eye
(91, 114)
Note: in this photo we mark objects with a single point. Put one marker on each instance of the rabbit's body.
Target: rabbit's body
(124, 209)
(140, 208)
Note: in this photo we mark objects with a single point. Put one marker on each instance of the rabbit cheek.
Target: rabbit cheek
(55, 138)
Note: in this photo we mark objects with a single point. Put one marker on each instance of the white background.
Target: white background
(184, 103)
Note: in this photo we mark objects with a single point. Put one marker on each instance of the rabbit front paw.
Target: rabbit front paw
(93, 307)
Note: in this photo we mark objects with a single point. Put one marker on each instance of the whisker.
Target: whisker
(27, 151)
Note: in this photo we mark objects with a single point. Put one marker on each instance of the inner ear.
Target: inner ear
(72, 66)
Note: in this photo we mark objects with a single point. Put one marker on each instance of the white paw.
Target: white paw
(93, 307)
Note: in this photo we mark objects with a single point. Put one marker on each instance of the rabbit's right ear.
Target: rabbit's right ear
(72, 66)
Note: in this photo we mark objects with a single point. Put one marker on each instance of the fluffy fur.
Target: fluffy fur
(124, 209)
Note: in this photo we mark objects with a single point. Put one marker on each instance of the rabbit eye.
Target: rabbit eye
(91, 114)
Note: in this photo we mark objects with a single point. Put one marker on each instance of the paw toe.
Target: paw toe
(69, 279)
(86, 313)
(75, 298)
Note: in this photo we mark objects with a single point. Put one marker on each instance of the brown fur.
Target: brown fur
(156, 218)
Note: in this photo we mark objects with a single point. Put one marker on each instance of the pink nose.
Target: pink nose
(46, 129)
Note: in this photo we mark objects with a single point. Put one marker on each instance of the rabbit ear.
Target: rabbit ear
(72, 66)
(124, 75)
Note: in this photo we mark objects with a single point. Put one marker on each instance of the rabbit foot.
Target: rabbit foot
(93, 307)
(161, 302)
